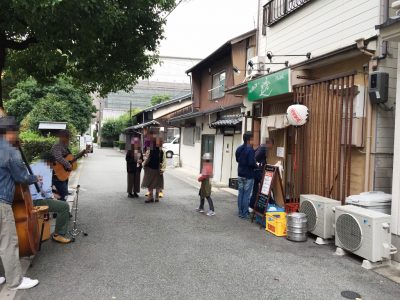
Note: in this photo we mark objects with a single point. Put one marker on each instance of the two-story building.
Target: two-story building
(215, 123)
(321, 53)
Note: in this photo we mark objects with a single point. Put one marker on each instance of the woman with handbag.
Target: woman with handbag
(154, 167)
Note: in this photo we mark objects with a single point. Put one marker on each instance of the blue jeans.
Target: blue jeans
(245, 191)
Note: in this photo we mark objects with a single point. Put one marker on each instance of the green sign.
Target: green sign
(269, 85)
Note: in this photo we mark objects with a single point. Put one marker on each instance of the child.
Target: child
(205, 188)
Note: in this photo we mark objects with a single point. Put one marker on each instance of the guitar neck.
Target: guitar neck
(78, 156)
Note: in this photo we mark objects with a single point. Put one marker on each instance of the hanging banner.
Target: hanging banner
(274, 84)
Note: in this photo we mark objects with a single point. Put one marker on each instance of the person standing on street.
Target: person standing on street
(261, 155)
(154, 168)
(12, 171)
(134, 159)
(245, 157)
(59, 151)
(205, 188)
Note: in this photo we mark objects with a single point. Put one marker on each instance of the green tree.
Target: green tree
(76, 104)
(47, 109)
(157, 99)
(112, 129)
(23, 98)
(104, 45)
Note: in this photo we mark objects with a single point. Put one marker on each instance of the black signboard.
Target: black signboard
(271, 184)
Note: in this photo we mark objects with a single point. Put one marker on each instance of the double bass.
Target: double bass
(25, 219)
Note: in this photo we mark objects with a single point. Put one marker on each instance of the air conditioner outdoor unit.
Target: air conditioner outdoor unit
(363, 232)
(320, 216)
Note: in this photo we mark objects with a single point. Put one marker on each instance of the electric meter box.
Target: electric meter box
(378, 87)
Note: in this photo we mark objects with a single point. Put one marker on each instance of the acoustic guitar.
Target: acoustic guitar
(59, 170)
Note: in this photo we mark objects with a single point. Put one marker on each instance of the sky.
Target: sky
(198, 27)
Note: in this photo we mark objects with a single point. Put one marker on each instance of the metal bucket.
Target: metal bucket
(296, 227)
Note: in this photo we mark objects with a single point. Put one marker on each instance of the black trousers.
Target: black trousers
(210, 203)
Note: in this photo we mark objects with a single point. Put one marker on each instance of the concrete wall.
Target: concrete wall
(319, 27)
(190, 156)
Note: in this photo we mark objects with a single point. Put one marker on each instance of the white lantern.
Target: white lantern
(297, 114)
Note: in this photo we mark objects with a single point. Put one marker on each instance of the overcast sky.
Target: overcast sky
(198, 27)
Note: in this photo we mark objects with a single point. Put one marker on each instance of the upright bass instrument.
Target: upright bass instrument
(25, 219)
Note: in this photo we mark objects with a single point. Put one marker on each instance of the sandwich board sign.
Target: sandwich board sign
(271, 187)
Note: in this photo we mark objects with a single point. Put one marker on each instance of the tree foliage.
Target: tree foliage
(157, 99)
(113, 128)
(104, 45)
(31, 103)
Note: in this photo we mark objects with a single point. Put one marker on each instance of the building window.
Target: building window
(188, 136)
(276, 10)
(218, 86)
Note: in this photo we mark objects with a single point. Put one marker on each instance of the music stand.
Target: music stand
(75, 231)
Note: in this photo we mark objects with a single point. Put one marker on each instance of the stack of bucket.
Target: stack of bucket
(296, 229)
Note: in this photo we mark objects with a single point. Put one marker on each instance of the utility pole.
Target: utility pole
(130, 112)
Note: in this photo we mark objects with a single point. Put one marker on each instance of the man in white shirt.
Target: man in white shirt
(46, 198)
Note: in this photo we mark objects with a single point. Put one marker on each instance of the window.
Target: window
(176, 141)
(276, 10)
(218, 85)
(188, 136)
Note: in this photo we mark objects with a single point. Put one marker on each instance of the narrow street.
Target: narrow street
(168, 251)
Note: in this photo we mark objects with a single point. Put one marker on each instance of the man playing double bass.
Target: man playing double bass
(12, 171)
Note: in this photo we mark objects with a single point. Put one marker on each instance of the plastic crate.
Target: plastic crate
(276, 223)
(292, 207)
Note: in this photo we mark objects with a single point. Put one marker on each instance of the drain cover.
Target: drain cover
(350, 295)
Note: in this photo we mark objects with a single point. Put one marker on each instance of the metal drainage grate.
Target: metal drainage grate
(309, 209)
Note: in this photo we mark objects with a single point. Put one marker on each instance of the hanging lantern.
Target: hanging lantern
(297, 114)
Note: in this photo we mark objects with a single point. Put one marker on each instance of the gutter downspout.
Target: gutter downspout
(385, 17)
(368, 139)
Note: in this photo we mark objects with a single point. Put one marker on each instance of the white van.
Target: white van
(172, 148)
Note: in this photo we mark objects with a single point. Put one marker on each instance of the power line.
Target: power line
(180, 1)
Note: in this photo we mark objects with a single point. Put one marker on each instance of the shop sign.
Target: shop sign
(270, 85)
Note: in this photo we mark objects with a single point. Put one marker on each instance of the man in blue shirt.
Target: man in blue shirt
(46, 198)
(12, 171)
(245, 156)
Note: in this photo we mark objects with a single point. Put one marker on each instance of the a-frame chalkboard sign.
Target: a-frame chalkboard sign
(271, 183)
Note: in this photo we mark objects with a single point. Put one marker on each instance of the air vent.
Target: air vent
(348, 232)
(308, 208)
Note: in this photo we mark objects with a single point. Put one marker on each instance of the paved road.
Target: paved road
(167, 251)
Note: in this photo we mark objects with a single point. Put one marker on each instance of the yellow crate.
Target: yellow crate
(276, 223)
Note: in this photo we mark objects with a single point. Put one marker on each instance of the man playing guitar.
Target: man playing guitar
(12, 171)
(59, 151)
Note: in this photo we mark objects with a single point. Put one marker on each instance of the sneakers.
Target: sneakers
(210, 213)
(26, 283)
(200, 210)
(2, 280)
(61, 239)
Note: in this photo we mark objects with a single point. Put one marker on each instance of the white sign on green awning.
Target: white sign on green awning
(274, 84)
